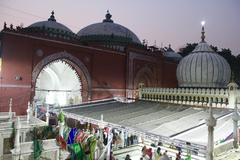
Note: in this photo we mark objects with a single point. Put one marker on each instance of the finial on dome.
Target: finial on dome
(52, 18)
(108, 17)
(169, 49)
(203, 32)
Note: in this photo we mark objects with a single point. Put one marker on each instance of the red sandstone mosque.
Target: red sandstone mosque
(47, 62)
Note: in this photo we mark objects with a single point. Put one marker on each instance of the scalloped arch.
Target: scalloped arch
(73, 61)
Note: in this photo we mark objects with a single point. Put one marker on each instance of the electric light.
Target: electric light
(203, 23)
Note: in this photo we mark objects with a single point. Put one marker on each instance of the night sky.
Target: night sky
(165, 21)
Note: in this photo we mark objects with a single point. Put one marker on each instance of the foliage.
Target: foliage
(187, 49)
(45, 132)
(37, 145)
(39, 134)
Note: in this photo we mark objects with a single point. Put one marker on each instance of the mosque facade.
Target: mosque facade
(46, 62)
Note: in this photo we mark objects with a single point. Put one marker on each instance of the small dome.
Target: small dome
(50, 23)
(108, 28)
(170, 54)
(203, 68)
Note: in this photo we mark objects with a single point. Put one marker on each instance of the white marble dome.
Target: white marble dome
(108, 28)
(203, 68)
(50, 23)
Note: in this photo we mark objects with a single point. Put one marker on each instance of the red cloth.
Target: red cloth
(61, 142)
(79, 137)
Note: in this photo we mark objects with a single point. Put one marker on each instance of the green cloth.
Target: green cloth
(37, 145)
(76, 152)
(37, 149)
(188, 157)
(93, 143)
(61, 117)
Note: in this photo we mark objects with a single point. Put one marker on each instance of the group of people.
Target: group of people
(123, 139)
(147, 154)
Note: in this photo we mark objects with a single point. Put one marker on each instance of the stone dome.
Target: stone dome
(203, 68)
(50, 23)
(170, 54)
(108, 28)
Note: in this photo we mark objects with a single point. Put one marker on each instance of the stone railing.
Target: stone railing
(50, 150)
(5, 116)
(187, 96)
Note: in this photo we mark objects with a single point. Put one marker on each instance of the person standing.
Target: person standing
(165, 156)
(112, 156)
(128, 157)
(157, 154)
(122, 140)
(178, 156)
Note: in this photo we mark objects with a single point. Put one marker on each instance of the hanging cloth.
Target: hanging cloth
(61, 117)
(87, 146)
(188, 157)
(76, 134)
(76, 152)
(66, 133)
(79, 137)
(37, 144)
(61, 142)
(93, 143)
(72, 135)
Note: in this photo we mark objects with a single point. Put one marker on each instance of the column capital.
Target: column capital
(211, 122)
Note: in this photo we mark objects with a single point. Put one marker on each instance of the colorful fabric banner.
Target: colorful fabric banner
(61, 142)
(72, 135)
(77, 152)
(61, 117)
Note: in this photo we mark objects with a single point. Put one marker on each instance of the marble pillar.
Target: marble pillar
(17, 149)
(235, 118)
(211, 123)
(10, 110)
(28, 112)
(47, 115)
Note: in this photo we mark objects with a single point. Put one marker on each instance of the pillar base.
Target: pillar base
(235, 144)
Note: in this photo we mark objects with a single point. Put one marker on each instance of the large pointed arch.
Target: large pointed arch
(144, 75)
(81, 69)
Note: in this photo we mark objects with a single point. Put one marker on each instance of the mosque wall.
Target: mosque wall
(169, 75)
(108, 75)
(155, 72)
(109, 70)
(15, 78)
(20, 96)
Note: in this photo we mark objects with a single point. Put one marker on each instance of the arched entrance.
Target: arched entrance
(61, 79)
(58, 84)
(143, 77)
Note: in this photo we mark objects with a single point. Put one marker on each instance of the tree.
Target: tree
(215, 48)
(187, 49)
(233, 62)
